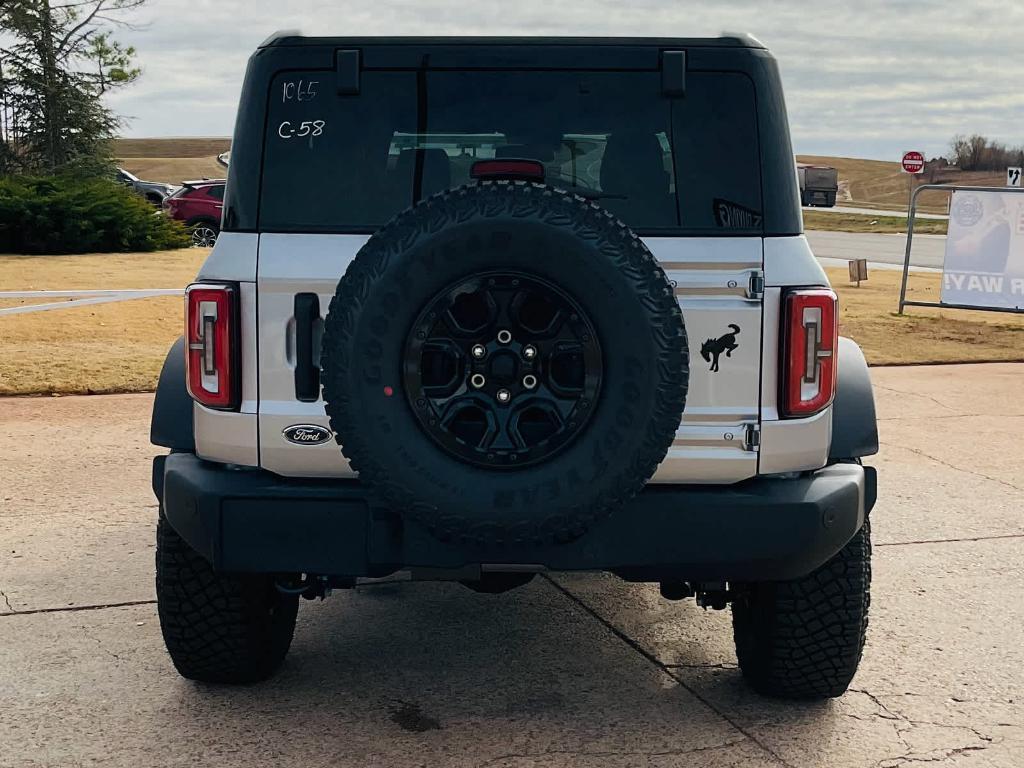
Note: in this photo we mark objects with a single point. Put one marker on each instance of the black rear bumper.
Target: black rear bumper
(762, 529)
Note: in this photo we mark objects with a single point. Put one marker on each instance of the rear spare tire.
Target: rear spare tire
(505, 363)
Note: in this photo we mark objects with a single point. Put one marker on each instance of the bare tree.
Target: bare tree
(60, 61)
(977, 153)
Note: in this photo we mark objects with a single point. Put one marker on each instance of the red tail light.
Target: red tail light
(211, 337)
(809, 360)
(529, 170)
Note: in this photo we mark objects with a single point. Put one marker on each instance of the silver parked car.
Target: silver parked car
(154, 191)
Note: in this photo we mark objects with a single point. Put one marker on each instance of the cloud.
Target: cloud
(866, 79)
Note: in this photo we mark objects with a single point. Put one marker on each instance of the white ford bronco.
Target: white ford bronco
(483, 308)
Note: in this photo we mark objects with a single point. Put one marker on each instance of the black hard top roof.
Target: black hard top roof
(725, 40)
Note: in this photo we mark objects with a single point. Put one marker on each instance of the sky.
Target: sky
(862, 78)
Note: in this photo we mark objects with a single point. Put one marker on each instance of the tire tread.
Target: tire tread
(617, 242)
(803, 639)
(219, 628)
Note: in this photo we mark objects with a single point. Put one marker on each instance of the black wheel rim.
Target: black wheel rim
(502, 369)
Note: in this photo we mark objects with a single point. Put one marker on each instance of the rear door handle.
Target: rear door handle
(307, 369)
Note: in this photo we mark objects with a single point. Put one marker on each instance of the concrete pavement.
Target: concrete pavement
(927, 250)
(568, 671)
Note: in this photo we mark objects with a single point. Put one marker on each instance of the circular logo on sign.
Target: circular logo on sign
(968, 210)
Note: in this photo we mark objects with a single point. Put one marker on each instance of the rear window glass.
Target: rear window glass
(350, 163)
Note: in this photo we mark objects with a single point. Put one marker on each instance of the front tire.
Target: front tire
(218, 627)
(803, 639)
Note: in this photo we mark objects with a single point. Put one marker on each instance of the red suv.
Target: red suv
(199, 205)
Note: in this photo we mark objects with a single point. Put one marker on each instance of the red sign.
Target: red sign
(913, 162)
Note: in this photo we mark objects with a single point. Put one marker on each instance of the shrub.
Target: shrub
(79, 214)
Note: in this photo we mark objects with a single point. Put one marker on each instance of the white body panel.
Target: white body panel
(232, 438)
(712, 278)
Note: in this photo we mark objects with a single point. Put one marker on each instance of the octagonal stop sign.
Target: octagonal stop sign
(913, 162)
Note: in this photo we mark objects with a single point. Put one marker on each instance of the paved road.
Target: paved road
(926, 251)
(874, 212)
(569, 671)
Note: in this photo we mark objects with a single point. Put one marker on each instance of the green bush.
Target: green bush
(80, 214)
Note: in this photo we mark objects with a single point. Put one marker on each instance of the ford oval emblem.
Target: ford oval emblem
(307, 434)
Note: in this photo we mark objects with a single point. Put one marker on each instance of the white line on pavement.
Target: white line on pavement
(80, 298)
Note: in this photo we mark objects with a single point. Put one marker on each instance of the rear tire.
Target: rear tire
(803, 639)
(219, 627)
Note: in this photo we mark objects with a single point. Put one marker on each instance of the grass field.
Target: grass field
(95, 349)
(173, 170)
(924, 334)
(120, 347)
(86, 271)
(881, 184)
(117, 347)
(172, 160)
(187, 146)
(855, 222)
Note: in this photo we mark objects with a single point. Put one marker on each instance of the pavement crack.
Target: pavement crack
(932, 417)
(574, 753)
(895, 762)
(903, 725)
(938, 402)
(952, 466)
(889, 714)
(7, 600)
(100, 644)
(652, 659)
(725, 665)
(993, 537)
(75, 608)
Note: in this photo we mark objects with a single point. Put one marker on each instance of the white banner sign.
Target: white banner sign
(984, 264)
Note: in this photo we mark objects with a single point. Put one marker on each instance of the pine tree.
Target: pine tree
(57, 61)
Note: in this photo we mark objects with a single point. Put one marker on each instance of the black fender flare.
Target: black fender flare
(854, 427)
(171, 425)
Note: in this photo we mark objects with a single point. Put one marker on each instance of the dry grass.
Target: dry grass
(86, 271)
(173, 170)
(172, 147)
(869, 316)
(854, 222)
(91, 349)
(881, 184)
(117, 347)
(172, 160)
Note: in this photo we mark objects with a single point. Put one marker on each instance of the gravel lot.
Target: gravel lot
(580, 671)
